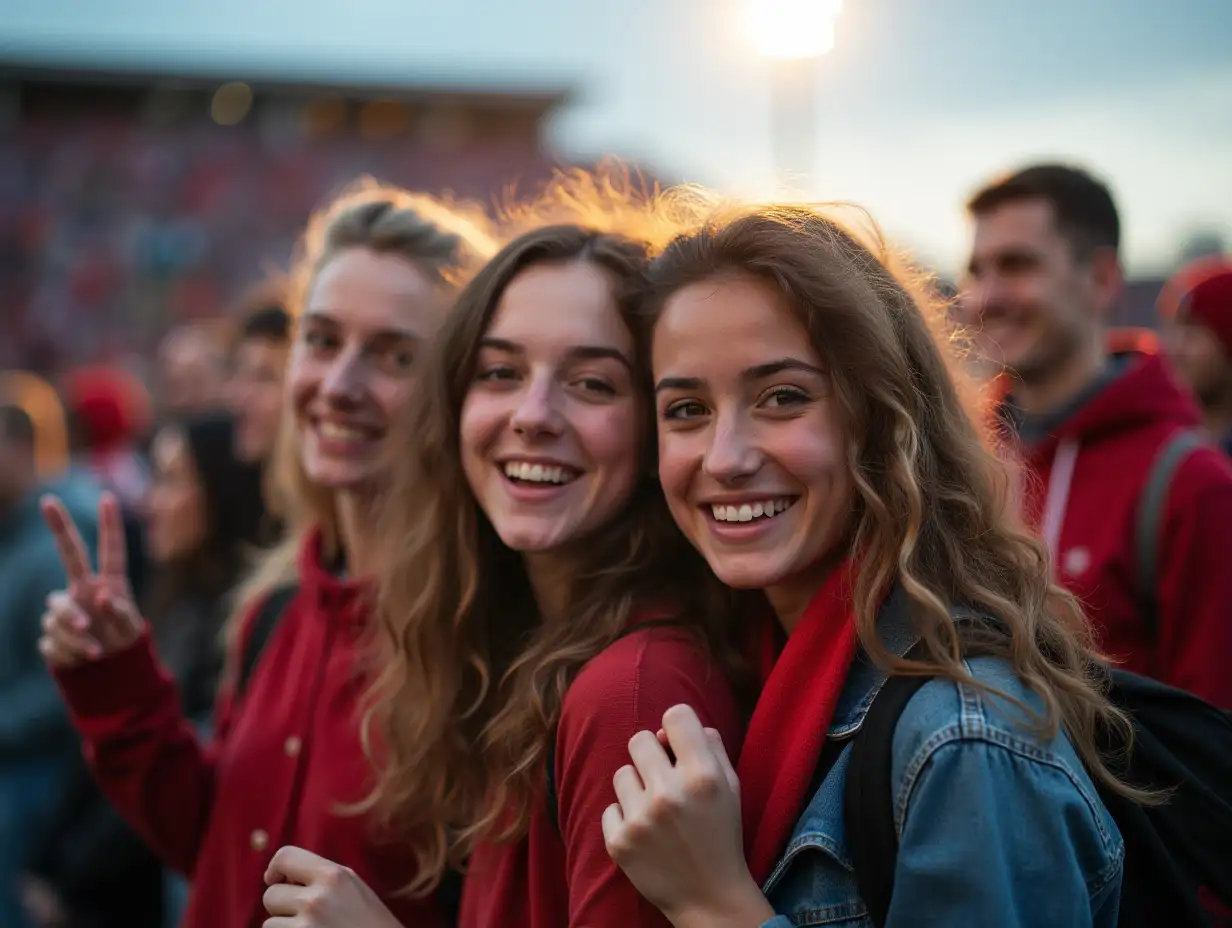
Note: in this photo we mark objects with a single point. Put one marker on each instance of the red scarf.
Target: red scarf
(788, 728)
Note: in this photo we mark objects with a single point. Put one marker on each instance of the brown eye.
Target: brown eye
(779, 397)
(684, 409)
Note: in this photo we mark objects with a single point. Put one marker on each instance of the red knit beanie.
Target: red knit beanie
(111, 404)
(1202, 292)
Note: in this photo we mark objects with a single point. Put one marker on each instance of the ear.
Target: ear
(1107, 280)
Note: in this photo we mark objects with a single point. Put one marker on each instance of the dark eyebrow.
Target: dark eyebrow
(321, 317)
(755, 373)
(769, 369)
(579, 352)
(678, 383)
(599, 353)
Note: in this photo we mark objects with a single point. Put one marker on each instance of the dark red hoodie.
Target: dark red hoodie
(1111, 435)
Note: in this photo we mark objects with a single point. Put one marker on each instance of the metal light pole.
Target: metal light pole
(793, 119)
(793, 35)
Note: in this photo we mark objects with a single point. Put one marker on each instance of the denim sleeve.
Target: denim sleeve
(779, 921)
(998, 832)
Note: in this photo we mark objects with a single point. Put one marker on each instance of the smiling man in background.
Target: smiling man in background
(1136, 510)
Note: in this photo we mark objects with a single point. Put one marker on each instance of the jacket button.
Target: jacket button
(291, 746)
(259, 840)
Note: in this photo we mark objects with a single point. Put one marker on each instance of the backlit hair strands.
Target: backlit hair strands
(447, 240)
(471, 691)
(934, 502)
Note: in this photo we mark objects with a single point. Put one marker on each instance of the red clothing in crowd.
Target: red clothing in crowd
(1111, 438)
(283, 757)
(544, 880)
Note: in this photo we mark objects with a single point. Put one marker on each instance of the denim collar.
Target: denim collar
(865, 679)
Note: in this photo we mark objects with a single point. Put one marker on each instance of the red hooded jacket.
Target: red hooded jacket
(284, 758)
(1107, 441)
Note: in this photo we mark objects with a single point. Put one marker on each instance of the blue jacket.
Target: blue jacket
(996, 825)
(33, 720)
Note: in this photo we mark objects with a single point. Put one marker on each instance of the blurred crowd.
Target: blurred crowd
(113, 229)
(186, 458)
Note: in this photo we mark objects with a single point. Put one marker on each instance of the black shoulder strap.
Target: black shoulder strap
(259, 631)
(553, 800)
(1151, 507)
(868, 802)
(449, 896)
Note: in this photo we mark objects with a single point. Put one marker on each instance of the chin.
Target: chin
(747, 573)
(337, 479)
(528, 541)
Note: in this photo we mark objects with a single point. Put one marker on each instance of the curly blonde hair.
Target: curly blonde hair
(447, 240)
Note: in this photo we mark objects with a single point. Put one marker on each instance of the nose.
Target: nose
(343, 380)
(537, 411)
(733, 456)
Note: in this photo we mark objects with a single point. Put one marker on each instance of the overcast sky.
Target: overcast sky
(919, 101)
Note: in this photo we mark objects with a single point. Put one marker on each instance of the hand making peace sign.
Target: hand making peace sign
(96, 615)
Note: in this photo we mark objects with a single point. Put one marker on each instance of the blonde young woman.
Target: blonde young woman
(813, 445)
(540, 606)
(379, 267)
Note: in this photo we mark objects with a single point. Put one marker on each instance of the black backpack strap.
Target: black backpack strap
(1151, 508)
(868, 801)
(449, 896)
(553, 799)
(259, 631)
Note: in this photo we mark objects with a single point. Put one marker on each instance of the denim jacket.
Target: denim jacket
(996, 826)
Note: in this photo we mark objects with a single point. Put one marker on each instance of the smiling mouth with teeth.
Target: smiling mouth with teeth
(524, 472)
(747, 512)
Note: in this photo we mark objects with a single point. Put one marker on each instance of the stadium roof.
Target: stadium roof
(541, 96)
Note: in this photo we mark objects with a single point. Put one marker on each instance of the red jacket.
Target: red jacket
(282, 758)
(550, 881)
(1112, 438)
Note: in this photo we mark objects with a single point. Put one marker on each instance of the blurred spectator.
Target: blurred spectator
(109, 414)
(36, 742)
(1044, 276)
(192, 371)
(258, 363)
(1196, 305)
(202, 515)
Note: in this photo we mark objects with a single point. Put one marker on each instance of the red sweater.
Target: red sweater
(1117, 432)
(546, 881)
(282, 758)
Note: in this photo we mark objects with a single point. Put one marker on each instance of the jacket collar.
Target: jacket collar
(864, 681)
(328, 589)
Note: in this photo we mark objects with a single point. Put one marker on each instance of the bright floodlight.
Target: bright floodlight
(792, 28)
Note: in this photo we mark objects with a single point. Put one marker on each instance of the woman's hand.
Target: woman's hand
(96, 615)
(675, 829)
(41, 903)
(308, 891)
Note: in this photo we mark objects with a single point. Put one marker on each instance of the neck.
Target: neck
(790, 598)
(1218, 419)
(1062, 384)
(11, 497)
(548, 576)
(354, 513)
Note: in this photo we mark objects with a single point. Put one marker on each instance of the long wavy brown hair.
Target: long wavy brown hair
(471, 690)
(447, 240)
(935, 508)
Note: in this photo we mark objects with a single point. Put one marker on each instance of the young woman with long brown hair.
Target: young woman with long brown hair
(814, 445)
(540, 605)
(379, 267)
